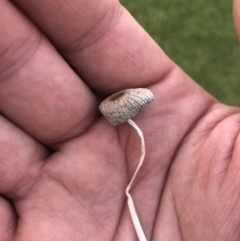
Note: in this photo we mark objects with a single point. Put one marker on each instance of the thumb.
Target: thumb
(236, 18)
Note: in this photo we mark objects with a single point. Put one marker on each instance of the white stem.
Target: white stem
(133, 213)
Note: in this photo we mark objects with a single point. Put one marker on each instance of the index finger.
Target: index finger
(101, 41)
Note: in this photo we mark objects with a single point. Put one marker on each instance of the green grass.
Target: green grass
(198, 35)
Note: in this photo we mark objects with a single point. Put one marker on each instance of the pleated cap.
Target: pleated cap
(123, 105)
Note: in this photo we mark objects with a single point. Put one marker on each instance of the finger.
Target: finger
(7, 221)
(101, 41)
(236, 18)
(20, 160)
(38, 90)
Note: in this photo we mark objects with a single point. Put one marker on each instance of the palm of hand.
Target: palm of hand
(186, 190)
(79, 192)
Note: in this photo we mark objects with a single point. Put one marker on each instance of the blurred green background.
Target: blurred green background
(198, 35)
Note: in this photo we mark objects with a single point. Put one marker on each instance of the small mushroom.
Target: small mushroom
(123, 105)
(119, 108)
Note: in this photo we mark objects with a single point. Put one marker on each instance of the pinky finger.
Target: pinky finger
(7, 220)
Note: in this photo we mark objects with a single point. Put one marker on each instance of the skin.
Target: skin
(64, 169)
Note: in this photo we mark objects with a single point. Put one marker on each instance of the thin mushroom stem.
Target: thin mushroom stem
(119, 108)
(132, 210)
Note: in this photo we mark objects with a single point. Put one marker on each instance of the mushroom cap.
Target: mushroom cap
(125, 104)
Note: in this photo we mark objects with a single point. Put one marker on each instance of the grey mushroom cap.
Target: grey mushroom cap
(123, 105)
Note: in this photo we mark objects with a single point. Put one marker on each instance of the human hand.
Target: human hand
(64, 169)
